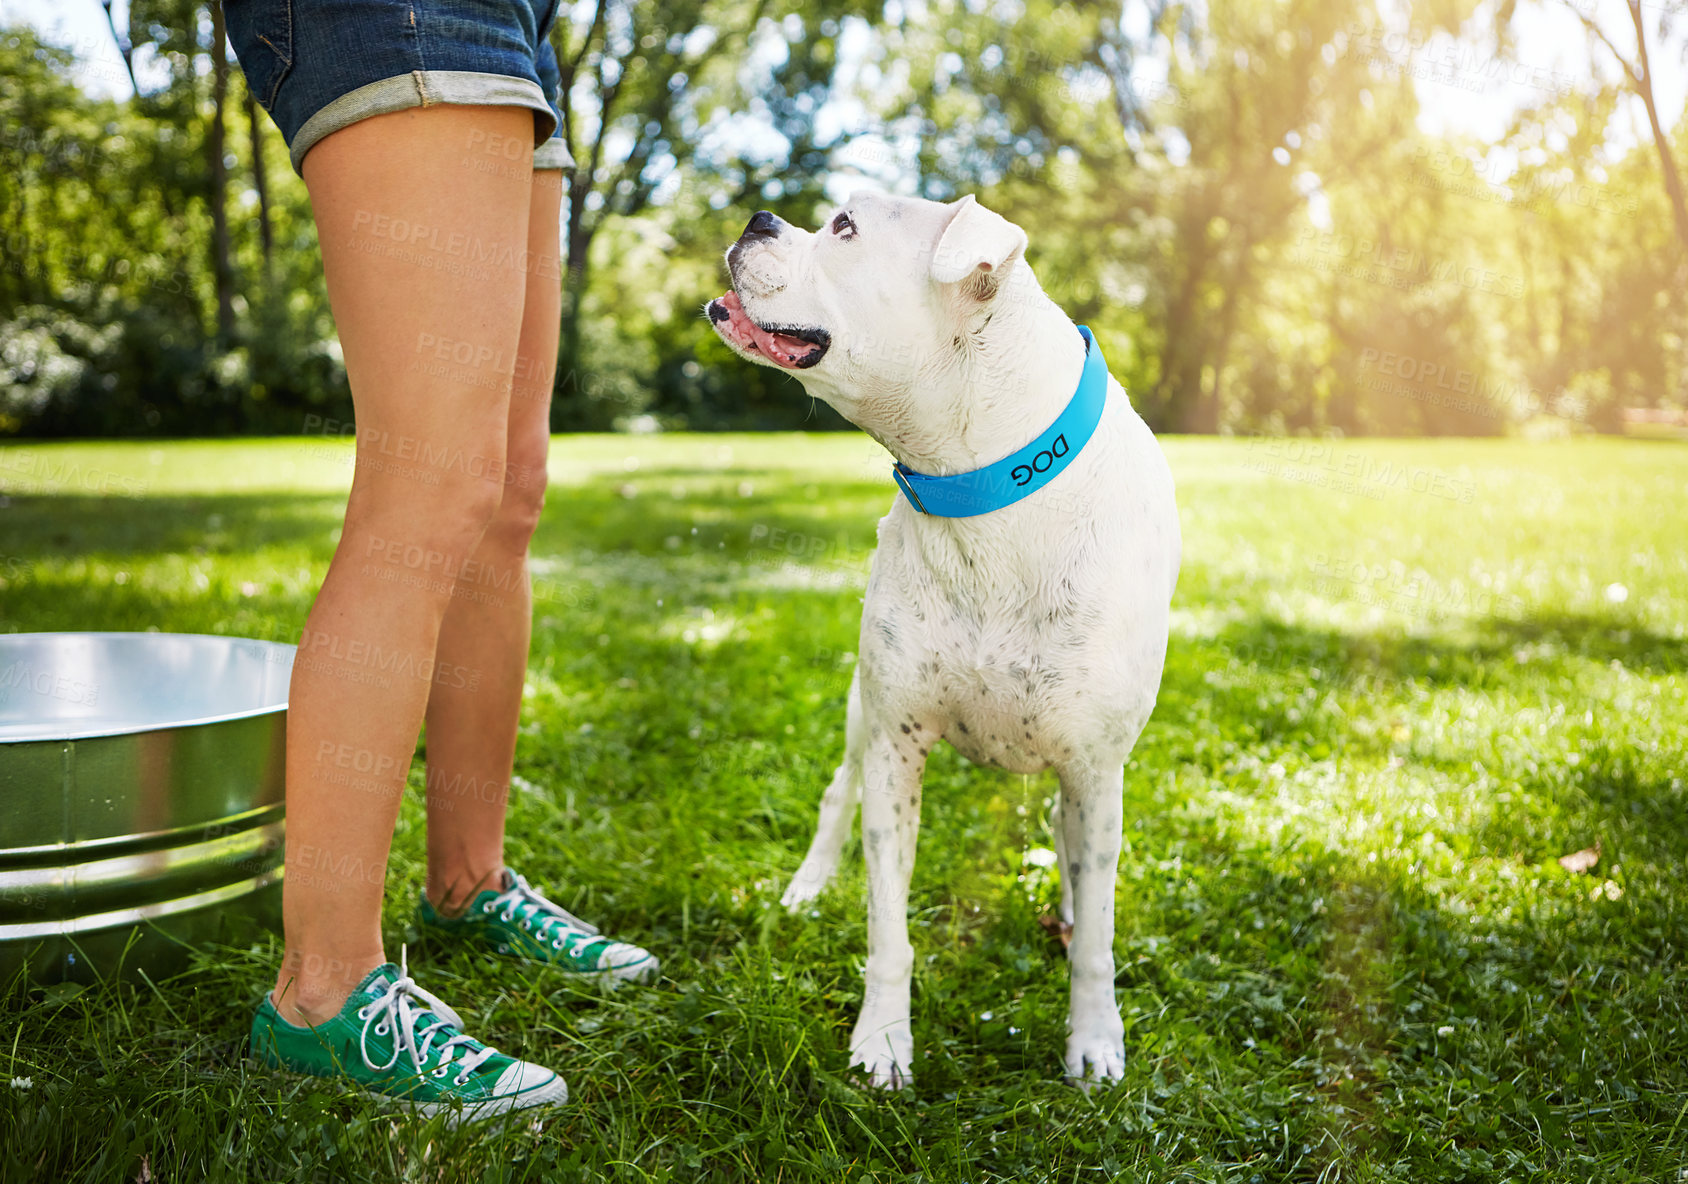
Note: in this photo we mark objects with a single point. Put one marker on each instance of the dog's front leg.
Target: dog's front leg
(1092, 819)
(883, 1043)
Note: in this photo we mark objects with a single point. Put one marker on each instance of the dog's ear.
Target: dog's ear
(977, 249)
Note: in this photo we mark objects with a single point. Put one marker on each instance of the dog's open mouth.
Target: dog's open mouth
(789, 346)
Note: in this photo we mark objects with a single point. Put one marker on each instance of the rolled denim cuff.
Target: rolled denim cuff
(553, 154)
(425, 88)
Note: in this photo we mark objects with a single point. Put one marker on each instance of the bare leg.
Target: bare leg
(838, 812)
(472, 734)
(883, 1042)
(1092, 817)
(429, 435)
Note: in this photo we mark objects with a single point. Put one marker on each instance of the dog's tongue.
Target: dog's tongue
(779, 348)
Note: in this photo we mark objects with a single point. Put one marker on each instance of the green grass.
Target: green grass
(1402, 682)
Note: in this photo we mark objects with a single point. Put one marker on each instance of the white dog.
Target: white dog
(1028, 629)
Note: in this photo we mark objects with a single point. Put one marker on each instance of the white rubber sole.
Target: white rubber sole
(553, 1093)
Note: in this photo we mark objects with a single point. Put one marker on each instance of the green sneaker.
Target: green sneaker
(394, 1039)
(517, 920)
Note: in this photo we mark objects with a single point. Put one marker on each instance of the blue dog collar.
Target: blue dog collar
(964, 495)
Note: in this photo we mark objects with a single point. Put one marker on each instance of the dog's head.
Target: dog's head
(873, 303)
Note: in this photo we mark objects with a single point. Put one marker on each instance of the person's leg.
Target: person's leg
(421, 258)
(471, 735)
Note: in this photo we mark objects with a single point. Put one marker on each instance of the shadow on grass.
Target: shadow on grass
(1353, 996)
(645, 522)
(60, 526)
(1256, 687)
(1464, 655)
(186, 564)
(1290, 1007)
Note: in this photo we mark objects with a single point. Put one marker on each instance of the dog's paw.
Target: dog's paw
(804, 887)
(882, 1070)
(1094, 1060)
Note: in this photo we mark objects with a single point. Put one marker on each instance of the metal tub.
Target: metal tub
(141, 797)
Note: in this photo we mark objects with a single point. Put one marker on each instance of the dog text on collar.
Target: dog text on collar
(1041, 462)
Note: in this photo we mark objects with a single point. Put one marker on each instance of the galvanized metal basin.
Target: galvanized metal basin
(141, 796)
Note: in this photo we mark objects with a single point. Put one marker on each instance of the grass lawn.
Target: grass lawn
(1404, 678)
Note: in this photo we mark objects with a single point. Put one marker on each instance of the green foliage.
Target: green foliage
(1404, 678)
(107, 308)
(656, 93)
(1246, 196)
(1240, 197)
(109, 226)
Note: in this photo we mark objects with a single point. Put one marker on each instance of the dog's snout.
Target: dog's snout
(762, 228)
(762, 225)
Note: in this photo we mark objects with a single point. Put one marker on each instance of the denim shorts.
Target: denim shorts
(320, 65)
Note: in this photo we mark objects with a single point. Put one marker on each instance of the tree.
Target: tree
(1237, 197)
(1202, 163)
(1638, 73)
(260, 185)
(218, 197)
(641, 82)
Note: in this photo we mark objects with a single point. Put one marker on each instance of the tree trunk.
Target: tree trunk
(260, 182)
(1178, 389)
(1198, 412)
(1339, 410)
(221, 269)
(1643, 79)
(124, 47)
(575, 253)
(1206, 417)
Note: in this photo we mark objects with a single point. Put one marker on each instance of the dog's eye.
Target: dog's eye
(843, 225)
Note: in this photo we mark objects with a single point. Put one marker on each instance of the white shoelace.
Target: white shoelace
(520, 900)
(397, 1012)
